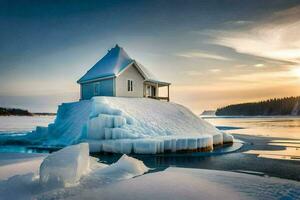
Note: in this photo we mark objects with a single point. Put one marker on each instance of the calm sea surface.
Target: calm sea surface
(283, 127)
(21, 124)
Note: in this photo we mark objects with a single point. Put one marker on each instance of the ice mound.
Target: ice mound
(125, 167)
(65, 167)
(131, 125)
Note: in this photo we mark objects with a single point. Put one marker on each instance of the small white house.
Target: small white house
(116, 74)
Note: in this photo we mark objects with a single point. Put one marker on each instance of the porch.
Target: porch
(151, 90)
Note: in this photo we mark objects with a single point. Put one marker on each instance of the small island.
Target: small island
(19, 112)
(14, 111)
(277, 106)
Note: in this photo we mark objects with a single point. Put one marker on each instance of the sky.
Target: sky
(214, 53)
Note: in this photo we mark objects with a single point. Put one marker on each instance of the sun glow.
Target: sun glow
(296, 72)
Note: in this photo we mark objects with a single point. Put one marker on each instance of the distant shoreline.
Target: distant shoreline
(249, 116)
(22, 112)
(287, 106)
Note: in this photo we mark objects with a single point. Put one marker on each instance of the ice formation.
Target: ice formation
(131, 125)
(125, 167)
(65, 167)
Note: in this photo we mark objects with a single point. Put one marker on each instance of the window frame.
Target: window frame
(96, 89)
(130, 85)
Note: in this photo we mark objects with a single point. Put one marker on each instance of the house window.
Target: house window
(130, 85)
(96, 89)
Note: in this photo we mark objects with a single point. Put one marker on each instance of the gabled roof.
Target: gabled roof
(112, 65)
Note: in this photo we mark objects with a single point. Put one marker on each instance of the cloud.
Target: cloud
(215, 70)
(239, 22)
(193, 73)
(259, 65)
(204, 55)
(275, 38)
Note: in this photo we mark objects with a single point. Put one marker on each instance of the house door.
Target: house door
(153, 92)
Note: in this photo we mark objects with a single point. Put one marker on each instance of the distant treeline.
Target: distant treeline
(277, 106)
(19, 112)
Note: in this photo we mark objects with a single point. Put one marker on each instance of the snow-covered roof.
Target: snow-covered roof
(112, 64)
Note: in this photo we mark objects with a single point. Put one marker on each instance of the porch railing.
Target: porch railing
(159, 98)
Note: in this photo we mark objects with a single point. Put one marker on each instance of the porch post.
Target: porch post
(157, 90)
(168, 93)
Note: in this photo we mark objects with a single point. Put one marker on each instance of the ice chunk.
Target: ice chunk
(109, 146)
(119, 121)
(123, 146)
(126, 165)
(65, 167)
(108, 133)
(95, 146)
(205, 141)
(181, 144)
(160, 146)
(218, 139)
(120, 133)
(97, 125)
(227, 138)
(192, 143)
(167, 144)
(146, 146)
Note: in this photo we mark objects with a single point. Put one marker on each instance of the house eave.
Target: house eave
(157, 82)
(136, 66)
(96, 79)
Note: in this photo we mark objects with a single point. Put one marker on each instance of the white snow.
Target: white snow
(66, 166)
(184, 183)
(145, 126)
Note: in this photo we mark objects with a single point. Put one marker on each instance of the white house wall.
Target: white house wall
(131, 73)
